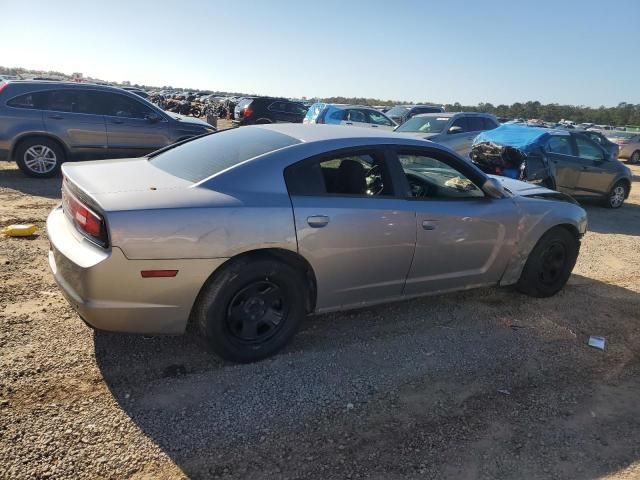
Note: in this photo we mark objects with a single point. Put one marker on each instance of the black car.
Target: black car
(402, 113)
(262, 110)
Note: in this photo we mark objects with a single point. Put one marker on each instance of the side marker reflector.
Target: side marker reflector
(158, 273)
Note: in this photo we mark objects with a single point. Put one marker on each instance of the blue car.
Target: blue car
(564, 160)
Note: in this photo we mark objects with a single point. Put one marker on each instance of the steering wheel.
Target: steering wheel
(375, 185)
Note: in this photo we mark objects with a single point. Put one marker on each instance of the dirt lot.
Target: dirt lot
(481, 384)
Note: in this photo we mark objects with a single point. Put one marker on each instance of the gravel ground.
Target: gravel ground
(480, 384)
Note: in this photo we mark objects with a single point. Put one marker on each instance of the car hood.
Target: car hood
(136, 184)
(524, 189)
(188, 120)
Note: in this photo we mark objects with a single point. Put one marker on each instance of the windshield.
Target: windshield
(397, 111)
(211, 154)
(424, 125)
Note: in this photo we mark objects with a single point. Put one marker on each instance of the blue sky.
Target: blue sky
(564, 51)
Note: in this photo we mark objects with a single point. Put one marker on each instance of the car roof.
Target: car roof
(308, 133)
(63, 84)
(453, 114)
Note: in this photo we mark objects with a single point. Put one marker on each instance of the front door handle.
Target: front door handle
(56, 117)
(317, 221)
(429, 224)
(348, 123)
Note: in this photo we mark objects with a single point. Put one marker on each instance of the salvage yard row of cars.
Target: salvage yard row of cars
(240, 233)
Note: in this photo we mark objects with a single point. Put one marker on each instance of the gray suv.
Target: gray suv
(43, 124)
(455, 130)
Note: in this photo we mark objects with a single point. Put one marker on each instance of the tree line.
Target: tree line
(620, 115)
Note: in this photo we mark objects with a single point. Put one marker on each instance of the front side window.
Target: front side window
(559, 144)
(459, 125)
(354, 115)
(116, 105)
(488, 123)
(475, 124)
(378, 119)
(296, 108)
(432, 178)
(587, 150)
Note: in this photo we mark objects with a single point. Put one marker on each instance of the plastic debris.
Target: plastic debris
(596, 342)
(25, 230)
(504, 392)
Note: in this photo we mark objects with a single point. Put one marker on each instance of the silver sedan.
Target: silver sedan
(243, 232)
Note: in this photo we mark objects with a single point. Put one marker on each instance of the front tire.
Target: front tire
(550, 263)
(251, 309)
(635, 157)
(615, 198)
(39, 157)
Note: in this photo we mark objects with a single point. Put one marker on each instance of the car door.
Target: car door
(596, 176)
(464, 238)
(133, 128)
(457, 136)
(565, 166)
(73, 116)
(353, 231)
(379, 120)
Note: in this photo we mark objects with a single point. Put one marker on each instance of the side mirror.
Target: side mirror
(493, 188)
(152, 118)
(454, 129)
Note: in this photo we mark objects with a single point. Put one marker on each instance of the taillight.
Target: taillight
(248, 111)
(3, 86)
(86, 221)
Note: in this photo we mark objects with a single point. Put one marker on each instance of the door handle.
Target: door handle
(374, 126)
(56, 117)
(117, 122)
(348, 123)
(317, 221)
(429, 224)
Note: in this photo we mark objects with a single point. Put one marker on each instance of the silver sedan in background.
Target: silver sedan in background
(244, 232)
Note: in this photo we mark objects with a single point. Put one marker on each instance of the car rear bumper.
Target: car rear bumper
(108, 291)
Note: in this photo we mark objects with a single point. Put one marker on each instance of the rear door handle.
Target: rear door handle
(317, 221)
(429, 224)
(56, 117)
(348, 123)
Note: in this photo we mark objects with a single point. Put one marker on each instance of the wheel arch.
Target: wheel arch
(516, 265)
(291, 258)
(26, 136)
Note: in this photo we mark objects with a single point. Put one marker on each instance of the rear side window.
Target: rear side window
(277, 107)
(361, 173)
(338, 115)
(209, 155)
(588, 150)
(355, 115)
(33, 100)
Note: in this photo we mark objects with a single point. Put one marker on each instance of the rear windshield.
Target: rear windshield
(206, 156)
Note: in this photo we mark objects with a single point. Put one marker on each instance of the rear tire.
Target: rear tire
(251, 309)
(39, 157)
(615, 198)
(550, 263)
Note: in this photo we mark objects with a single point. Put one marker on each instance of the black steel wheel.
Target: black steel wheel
(549, 264)
(251, 308)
